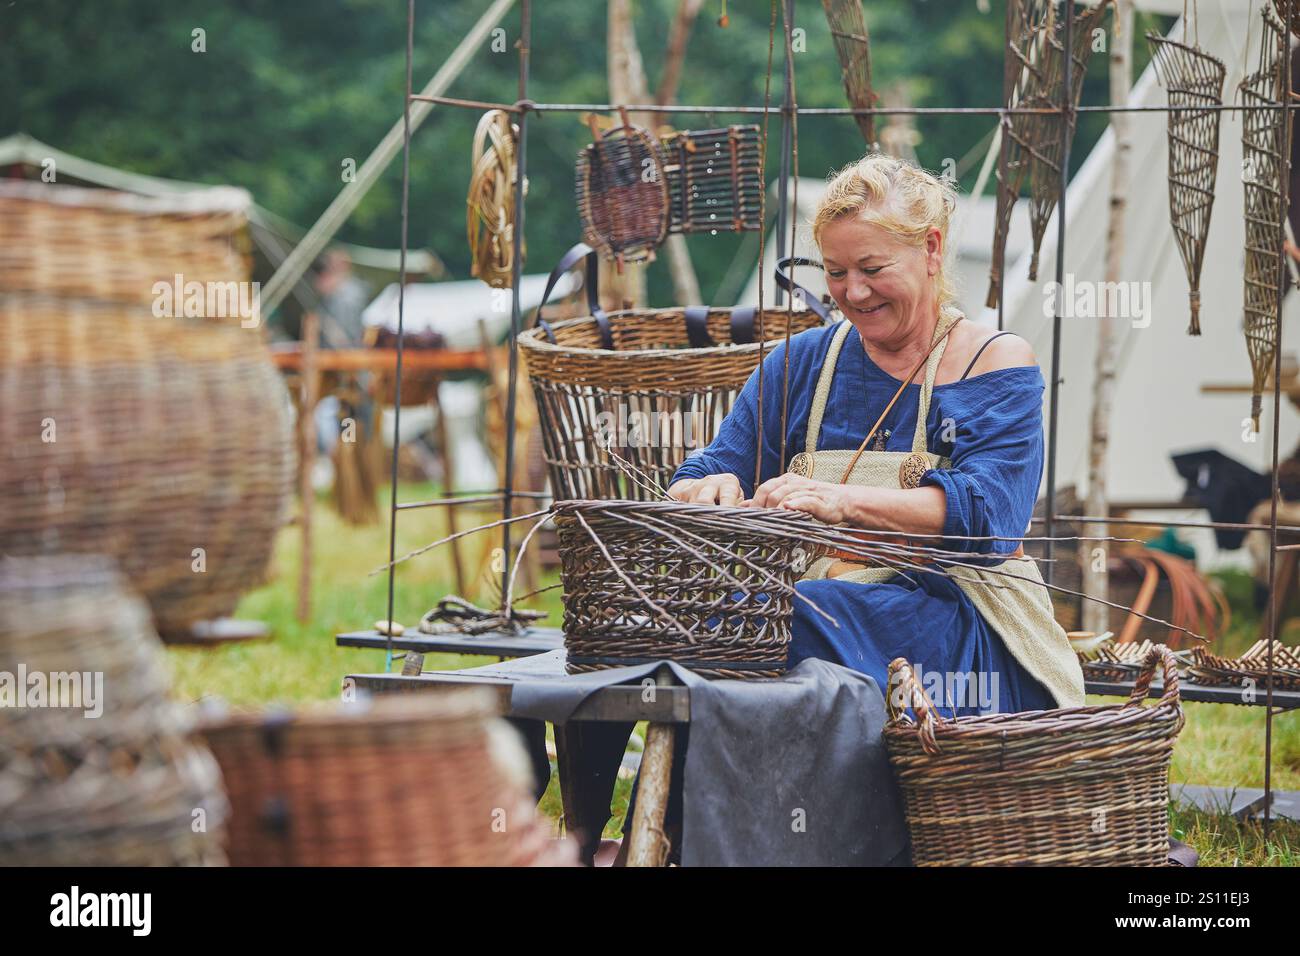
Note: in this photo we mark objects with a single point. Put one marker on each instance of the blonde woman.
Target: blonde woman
(953, 411)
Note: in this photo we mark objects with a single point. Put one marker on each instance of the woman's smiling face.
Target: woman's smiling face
(884, 286)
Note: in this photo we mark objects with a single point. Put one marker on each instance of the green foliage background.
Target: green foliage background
(289, 89)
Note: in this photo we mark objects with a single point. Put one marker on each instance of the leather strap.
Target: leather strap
(567, 262)
(789, 285)
(697, 326)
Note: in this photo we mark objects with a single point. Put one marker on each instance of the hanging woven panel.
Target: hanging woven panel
(714, 180)
(624, 397)
(412, 780)
(104, 769)
(1030, 789)
(165, 443)
(1194, 80)
(182, 254)
(1044, 145)
(1263, 141)
(707, 587)
(622, 193)
(490, 213)
(853, 47)
(1027, 24)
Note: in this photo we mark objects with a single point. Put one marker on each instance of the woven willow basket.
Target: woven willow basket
(130, 787)
(1082, 786)
(165, 443)
(113, 246)
(653, 396)
(412, 780)
(637, 588)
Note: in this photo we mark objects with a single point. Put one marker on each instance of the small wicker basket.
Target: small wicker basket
(1082, 786)
(709, 588)
(413, 780)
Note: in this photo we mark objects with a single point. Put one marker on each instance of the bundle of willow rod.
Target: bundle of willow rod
(1194, 79)
(651, 400)
(1029, 789)
(103, 770)
(1252, 667)
(490, 212)
(714, 181)
(418, 780)
(117, 247)
(622, 193)
(1027, 24)
(853, 47)
(1044, 145)
(1263, 141)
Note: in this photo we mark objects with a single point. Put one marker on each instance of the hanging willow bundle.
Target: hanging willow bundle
(1027, 23)
(853, 47)
(1263, 140)
(714, 180)
(1045, 146)
(490, 219)
(622, 192)
(1194, 79)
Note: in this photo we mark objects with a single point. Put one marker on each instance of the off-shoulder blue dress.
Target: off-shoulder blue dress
(990, 426)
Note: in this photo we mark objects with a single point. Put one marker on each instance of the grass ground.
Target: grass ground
(1220, 745)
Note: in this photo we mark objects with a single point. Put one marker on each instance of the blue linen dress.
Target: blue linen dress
(990, 426)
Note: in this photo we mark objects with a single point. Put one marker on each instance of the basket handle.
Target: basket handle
(1159, 654)
(795, 289)
(697, 326)
(590, 282)
(904, 691)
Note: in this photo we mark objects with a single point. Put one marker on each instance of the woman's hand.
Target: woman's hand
(831, 503)
(710, 490)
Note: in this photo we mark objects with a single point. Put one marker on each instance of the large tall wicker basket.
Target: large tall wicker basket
(414, 780)
(114, 775)
(118, 247)
(165, 443)
(1082, 786)
(640, 388)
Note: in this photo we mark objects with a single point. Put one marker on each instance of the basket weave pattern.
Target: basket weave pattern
(633, 593)
(114, 790)
(1084, 786)
(144, 439)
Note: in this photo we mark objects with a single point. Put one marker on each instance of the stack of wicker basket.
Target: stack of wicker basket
(101, 768)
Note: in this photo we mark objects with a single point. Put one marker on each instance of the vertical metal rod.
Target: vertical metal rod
(1284, 178)
(401, 315)
(1066, 106)
(516, 272)
(787, 104)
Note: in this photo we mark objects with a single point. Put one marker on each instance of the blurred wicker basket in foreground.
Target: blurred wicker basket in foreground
(164, 443)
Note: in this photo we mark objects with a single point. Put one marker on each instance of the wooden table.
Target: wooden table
(502, 644)
(588, 747)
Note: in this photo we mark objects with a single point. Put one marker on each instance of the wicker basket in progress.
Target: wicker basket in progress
(164, 443)
(414, 780)
(707, 587)
(129, 787)
(1082, 786)
(113, 246)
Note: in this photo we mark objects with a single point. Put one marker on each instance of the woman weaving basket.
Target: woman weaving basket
(956, 450)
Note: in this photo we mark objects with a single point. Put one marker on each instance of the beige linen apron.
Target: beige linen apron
(1010, 596)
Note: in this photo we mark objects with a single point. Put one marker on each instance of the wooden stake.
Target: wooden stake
(310, 387)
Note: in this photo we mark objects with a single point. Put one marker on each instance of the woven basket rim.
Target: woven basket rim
(205, 199)
(534, 338)
(453, 704)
